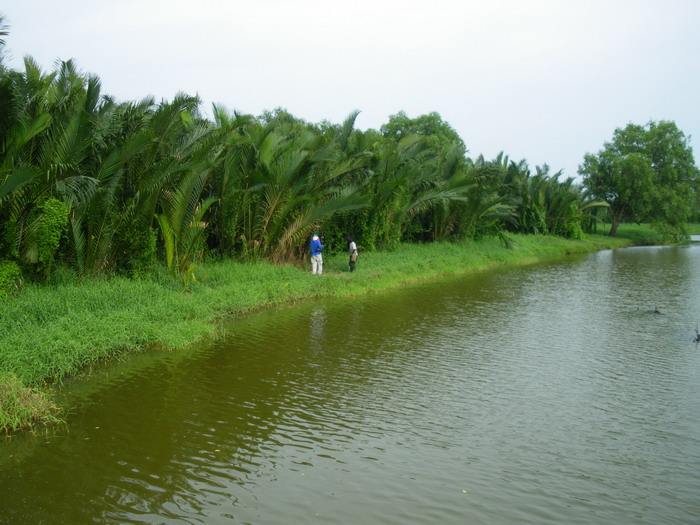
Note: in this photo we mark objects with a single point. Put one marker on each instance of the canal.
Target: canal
(562, 392)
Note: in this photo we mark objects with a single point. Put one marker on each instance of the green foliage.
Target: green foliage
(570, 224)
(10, 278)
(646, 173)
(672, 233)
(431, 126)
(243, 186)
(45, 236)
(188, 276)
(137, 256)
(8, 238)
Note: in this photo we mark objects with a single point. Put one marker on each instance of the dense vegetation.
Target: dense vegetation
(105, 187)
(645, 173)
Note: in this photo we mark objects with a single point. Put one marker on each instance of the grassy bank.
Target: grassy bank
(52, 331)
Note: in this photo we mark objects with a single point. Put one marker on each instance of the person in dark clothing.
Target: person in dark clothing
(352, 250)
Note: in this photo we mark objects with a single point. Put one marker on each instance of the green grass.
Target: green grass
(640, 234)
(22, 407)
(694, 228)
(53, 331)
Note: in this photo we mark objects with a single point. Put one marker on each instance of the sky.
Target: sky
(542, 80)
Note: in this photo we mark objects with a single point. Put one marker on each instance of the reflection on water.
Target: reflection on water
(547, 394)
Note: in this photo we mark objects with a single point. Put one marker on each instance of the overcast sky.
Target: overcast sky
(541, 80)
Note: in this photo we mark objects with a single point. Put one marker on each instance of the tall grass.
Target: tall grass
(52, 331)
(22, 407)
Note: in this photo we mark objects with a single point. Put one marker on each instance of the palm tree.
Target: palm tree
(4, 31)
(278, 180)
(485, 210)
(168, 168)
(401, 171)
(47, 147)
(233, 158)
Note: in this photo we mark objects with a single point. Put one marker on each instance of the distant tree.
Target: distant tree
(646, 173)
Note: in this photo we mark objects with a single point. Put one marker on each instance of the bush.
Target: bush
(10, 278)
(137, 254)
(51, 223)
(672, 233)
(8, 236)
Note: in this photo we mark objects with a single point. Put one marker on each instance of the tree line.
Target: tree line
(103, 187)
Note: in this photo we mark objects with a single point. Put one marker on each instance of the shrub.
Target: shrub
(10, 278)
(51, 223)
(137, 254)
(8, 237)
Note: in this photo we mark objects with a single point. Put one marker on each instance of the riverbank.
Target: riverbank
(54, 331)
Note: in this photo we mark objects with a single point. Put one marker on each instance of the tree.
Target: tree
(438, 133)
(646, 173)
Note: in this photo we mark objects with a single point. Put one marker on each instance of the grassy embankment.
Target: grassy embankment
(53, 331)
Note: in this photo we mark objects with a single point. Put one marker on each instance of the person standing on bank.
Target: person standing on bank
(316, 257)
(352, 250)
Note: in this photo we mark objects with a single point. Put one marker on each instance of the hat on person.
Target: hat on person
(315, 237)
